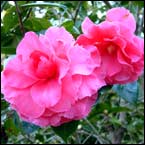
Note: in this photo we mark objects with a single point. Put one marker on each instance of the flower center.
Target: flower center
(111, 49)
(43, 66)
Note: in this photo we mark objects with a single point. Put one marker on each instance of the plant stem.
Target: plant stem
(77, 10)
(119, 132)
(20, 18)
(107, 4)
(94, 129)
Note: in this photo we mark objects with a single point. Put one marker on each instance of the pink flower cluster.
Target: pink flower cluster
(54, 79)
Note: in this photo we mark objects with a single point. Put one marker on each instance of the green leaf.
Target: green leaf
(10, 19)
(115, 121)
(66, 129)
(25, 127)
(1, 67)
(40, 137)
(111, 109)
(3, 3)
(4, 104)
(104, 89)
(124, 3)
(17, 121)
(29, 128)
(139, 3)
(101, 107)
(8, 50)
(21, 2)
(128, 92)
(37, 24)
(68, 25)
(119, 109)
(6, 40)
(10, 127)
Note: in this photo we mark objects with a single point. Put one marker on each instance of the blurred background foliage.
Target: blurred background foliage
(118, 115)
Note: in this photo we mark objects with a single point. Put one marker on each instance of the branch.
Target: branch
(94, 130)
(108, 4)
(77, 10)
(119, 132)
(20, 18)
(118, 135)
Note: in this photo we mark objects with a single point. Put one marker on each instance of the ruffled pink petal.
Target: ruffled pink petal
(63, 68)
(138, 67)
(28, 44)
(10, 93)
(67, 97)
(24, 104)
(107, 30)
(17, 79)
(123, 16)
(81, 65)
(46, 93)
(90, 85)
(123, 76)
(80, 109)
(77, 82)
(14, 74)
(41, 121)
(122, 59)
(55, 34)
(117, 41)
(107, 61)
(139, 43)
(89, 28)
(83, 40)
(132, 52)
(95, 54)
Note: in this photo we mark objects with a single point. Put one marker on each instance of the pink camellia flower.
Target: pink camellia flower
(121, 51)
(50, 81)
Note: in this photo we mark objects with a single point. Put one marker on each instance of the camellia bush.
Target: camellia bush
(72, 72)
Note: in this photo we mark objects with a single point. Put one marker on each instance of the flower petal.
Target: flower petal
(123, 16)
(81, 65)
(46, 93)
(28, 44)
(56, 34)
(68, 96)
(17, 79)
(24, 104)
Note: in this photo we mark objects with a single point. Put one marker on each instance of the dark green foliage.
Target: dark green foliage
(66, 129)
